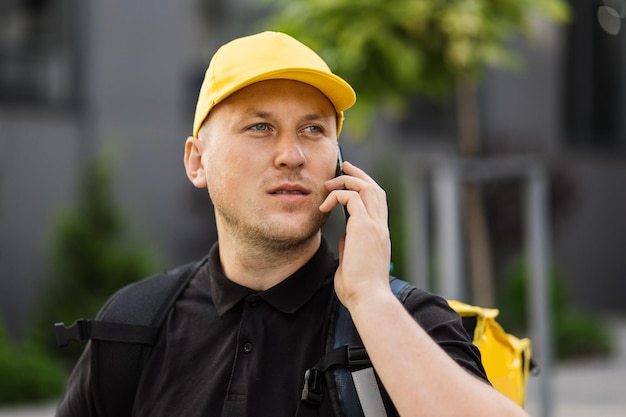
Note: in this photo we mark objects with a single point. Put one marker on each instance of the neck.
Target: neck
(260, 267)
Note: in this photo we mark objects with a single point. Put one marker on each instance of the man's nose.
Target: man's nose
(290, 152)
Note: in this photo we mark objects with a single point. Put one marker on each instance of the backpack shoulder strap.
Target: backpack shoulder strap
(400, 288)
(353, 387)
(122, 336)
(134, 313)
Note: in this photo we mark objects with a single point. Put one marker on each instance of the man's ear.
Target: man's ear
(193, 162)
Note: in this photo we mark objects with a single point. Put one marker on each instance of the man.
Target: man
(254, 318)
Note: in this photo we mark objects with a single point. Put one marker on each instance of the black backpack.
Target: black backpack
(127, 326)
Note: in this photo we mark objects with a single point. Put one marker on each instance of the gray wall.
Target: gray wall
(591, 249)
(524, 111)
(38, 161)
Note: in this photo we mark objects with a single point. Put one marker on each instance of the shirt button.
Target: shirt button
(247, 348)
(253, 300)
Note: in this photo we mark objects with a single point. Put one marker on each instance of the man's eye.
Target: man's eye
(261, 127)
(313, 129)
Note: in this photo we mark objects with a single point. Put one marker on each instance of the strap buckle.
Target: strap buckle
(79, 331)
(350, 357)
(357, 357)
(312, 391)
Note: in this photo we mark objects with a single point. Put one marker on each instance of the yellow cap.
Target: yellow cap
(268, 56)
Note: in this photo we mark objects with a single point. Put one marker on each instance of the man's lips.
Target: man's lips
(289, 189)
(295, 192)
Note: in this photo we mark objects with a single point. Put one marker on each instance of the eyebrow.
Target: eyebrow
(313, 116)
(258, 113)
(268, 115)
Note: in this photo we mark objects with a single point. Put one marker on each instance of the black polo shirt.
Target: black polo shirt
(226, 350)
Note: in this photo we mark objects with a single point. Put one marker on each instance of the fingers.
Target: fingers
(358, 192)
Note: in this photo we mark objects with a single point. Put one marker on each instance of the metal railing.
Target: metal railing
(446, 175)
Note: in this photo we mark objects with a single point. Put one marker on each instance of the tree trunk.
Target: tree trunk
(479, 248)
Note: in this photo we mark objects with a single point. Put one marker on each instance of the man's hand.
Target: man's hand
(365, 250)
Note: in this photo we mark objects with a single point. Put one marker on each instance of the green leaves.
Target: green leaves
(390, 50)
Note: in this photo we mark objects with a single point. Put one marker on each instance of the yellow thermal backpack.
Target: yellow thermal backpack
(507, 359)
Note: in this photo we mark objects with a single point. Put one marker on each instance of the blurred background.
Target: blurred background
(461, 104)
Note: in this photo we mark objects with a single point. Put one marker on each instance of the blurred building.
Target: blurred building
(78, 75)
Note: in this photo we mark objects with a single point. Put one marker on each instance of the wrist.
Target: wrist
(370, 300)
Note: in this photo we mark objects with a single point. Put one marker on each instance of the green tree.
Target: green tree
(92, 254)
(576, 333)
(391, 51)
(26, 374)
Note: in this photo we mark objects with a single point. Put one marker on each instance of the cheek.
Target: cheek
(330, 164)
(227, 170)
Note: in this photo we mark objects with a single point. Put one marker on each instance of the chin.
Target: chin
(295, 230)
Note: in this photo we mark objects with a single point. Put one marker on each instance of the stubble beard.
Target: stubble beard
(270, 237)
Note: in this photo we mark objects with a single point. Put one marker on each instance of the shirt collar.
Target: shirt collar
(287, 296)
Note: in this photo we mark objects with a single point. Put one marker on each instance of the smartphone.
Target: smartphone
(339, 172)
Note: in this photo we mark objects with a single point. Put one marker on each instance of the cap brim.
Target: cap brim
(339, 92)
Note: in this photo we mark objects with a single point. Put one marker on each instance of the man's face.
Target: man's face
(267, 151)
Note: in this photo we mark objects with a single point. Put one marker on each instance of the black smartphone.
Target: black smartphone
(339, 172)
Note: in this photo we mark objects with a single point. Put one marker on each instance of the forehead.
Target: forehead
(275, 93)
